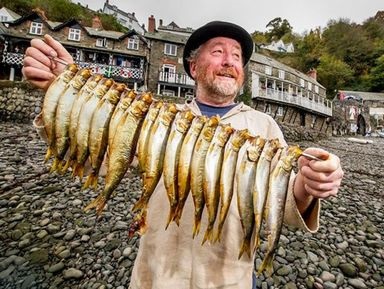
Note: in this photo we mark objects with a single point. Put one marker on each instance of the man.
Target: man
(215, 56)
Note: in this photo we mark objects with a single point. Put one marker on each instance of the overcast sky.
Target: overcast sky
(303, 15)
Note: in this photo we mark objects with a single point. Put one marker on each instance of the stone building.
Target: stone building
(122, 56)
(362, 112)
(287, 94)
(166, 72)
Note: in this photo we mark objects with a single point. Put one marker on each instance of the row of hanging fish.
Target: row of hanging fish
(87, 117)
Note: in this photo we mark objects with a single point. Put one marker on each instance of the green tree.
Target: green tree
(278, 28)
(333, 73)
(377, 76)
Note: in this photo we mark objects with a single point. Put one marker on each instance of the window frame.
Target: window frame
(72, 33)
(168, 49)
(36, 28)
(133, 43)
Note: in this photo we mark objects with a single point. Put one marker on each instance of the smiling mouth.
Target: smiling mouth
(226, 75)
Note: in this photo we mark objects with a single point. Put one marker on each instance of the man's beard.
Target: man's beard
(213, 84)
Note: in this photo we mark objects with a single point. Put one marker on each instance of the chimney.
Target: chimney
(161, 22)
(133, 14)
(96, 23)
(151, 24)
(312, 73)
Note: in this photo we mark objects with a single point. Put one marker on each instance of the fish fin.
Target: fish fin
(266, 265)
(245, 247)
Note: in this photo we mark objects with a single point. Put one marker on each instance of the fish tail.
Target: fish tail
(48, 154)
(171, 217)
(68, 164)
(91, 181)
(55, 165)
(97, 203)
(78, 171)
(256, 244)
(219, 232)
(178, 213)
(208, 235)
(61, 166)
(196, 227)
(141, 204)
(245, 247)
(266, 265)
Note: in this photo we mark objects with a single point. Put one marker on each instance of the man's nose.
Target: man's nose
(228, 60)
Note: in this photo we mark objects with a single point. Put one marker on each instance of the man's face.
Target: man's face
(218, 68)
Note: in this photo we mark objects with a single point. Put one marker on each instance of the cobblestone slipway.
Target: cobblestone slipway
(47, 241)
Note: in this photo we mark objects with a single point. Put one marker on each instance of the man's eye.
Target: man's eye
(217, 51)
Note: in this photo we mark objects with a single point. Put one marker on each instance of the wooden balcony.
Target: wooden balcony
(321, 105)
(176, 78)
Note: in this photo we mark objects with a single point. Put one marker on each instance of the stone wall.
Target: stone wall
(19, 101)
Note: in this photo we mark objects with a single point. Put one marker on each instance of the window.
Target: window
(74, 34)
(133, 43)
(302, 82)
(281, 74)
(3, 18)
(309, 86)
(268, 70)
(316, 89)
(36, 28)
(170, 49)
(101, 42)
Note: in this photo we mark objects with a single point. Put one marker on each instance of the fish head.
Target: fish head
(183, 120)
(239, 137)
(289, 157)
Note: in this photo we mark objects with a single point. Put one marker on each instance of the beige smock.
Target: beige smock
(171, 259)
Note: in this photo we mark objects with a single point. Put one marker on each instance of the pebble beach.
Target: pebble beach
(47, 241)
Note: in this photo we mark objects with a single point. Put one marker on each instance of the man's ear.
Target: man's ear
(192, 68)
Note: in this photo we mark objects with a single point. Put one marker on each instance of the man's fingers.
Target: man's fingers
(37, 74)
(58, 48)
(321, 194)
(32, 62)
(38, 55)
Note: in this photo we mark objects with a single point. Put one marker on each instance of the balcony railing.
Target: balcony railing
(176, 78)
(13, 58)
(114, 71)
(324, 107)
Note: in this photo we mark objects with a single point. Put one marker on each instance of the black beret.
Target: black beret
(218, 29)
